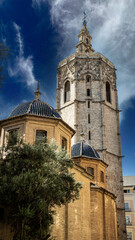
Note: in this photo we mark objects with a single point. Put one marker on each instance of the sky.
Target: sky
(40, 33)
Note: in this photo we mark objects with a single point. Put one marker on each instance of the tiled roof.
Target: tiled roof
(35, 107)
(83, 149)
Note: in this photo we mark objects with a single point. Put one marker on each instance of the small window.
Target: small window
(67, 92)
(108, 92)
(12, 137)
(88, 92)
(89, 135)
(102, 176)
(88, 118)
(129, 236)
(128, 220)
(1, 214)
(127, 191)
(127, 208)
(87, 41)
(64, 143)
(41, 135)
(88, 78)
(90, 170)
(88, 104)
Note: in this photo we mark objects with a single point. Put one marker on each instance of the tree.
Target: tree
(33, 180)
(4, 53)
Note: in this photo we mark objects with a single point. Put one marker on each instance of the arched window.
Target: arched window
(88, 118)
(108, 92)
(67, 92)
(87, 41)
(89, 135)
(88, 78)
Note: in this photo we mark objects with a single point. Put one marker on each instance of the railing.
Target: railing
(127, 210)
(129, 224)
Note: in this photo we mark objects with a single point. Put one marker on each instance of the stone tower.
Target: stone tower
(87, 100)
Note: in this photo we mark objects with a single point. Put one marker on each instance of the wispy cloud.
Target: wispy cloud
(2, 1)
(37, 3)
(22, 67)
(111, 24)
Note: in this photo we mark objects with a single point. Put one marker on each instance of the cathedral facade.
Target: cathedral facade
(86, 123)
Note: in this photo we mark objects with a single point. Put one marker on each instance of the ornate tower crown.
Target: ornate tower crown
(84, 45)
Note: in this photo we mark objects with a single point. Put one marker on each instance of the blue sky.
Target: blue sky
(40, 33)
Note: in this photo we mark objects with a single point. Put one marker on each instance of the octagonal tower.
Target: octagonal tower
(87, 100)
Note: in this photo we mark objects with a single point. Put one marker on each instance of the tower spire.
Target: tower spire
(37, 93)
(84, 19)
(84, 45)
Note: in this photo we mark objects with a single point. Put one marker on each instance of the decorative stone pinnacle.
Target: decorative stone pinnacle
(37, 93)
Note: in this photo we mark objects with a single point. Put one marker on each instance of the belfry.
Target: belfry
(87, 100)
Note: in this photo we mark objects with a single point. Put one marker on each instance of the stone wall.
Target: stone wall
(73, 220)
(104, 116)
(103, 212)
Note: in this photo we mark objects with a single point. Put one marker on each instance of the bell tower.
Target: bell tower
(84, 45)
(87, 100)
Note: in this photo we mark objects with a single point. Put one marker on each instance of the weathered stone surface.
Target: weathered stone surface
(104, 116)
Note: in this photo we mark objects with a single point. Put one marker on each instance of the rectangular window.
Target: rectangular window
(12, 137)
(129, 236)
(64, 143)
(127, 208)
(90, 170)
(88, 118)
(102, 176)
(89, 135)
(41, 135)
(88, 92)
(127, 191)
(128, 220)
(88, 104)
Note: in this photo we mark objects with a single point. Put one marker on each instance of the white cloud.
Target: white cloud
(22, 67)
(18, 38)
(111, 24)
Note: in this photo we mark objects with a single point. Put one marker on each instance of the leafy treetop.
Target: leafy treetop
(33, 180)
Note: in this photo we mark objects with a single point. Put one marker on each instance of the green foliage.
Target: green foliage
(33, 180)
(4, 53)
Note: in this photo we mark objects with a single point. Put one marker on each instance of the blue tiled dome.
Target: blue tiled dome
(83, 149)
(35, 107)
